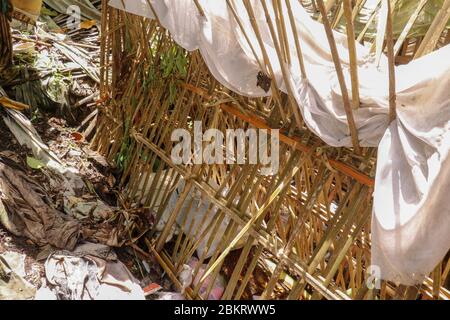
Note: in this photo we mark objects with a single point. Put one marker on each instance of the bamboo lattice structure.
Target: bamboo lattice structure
(305, 232)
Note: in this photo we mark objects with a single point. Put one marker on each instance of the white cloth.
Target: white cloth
(411, 225)
(411, 229)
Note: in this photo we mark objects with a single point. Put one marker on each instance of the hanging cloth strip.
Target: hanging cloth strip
(411, 218)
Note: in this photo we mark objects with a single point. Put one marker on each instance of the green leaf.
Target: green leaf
(35, 163)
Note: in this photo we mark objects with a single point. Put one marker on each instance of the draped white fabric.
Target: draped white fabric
(411, 229)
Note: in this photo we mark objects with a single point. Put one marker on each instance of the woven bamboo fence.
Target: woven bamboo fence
(303, 233)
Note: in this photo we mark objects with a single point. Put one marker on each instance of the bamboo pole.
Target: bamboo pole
(352, 53)
(284, 71)
(340, 75)
(296, 39)
(281, 28)
(391, 62)
(433, 34)
(275, 89)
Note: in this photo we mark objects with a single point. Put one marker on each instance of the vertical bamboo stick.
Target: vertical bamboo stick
(283, 66)
(352, 53)
(340, 75)
(296, 39)
(391, 62)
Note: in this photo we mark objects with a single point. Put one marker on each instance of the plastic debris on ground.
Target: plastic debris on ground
(12, 285)
(90, 272)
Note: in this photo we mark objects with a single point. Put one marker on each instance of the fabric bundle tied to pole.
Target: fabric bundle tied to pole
(411, 220)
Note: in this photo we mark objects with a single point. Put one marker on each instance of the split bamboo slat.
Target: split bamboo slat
(303, 233)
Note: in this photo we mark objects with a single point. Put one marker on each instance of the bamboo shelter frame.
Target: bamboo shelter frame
(306, 230)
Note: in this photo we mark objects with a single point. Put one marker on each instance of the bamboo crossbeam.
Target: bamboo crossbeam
(265, 55)
(283, 65)
(291, 141)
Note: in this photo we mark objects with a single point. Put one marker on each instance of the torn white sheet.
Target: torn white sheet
(411, 229)
(411, 225)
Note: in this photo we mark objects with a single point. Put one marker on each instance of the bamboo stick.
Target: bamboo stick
(199, 7)
(284, 71)
(352, 53)
(296, 39)
(274, 84)
(340, 75)
(391, 62)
